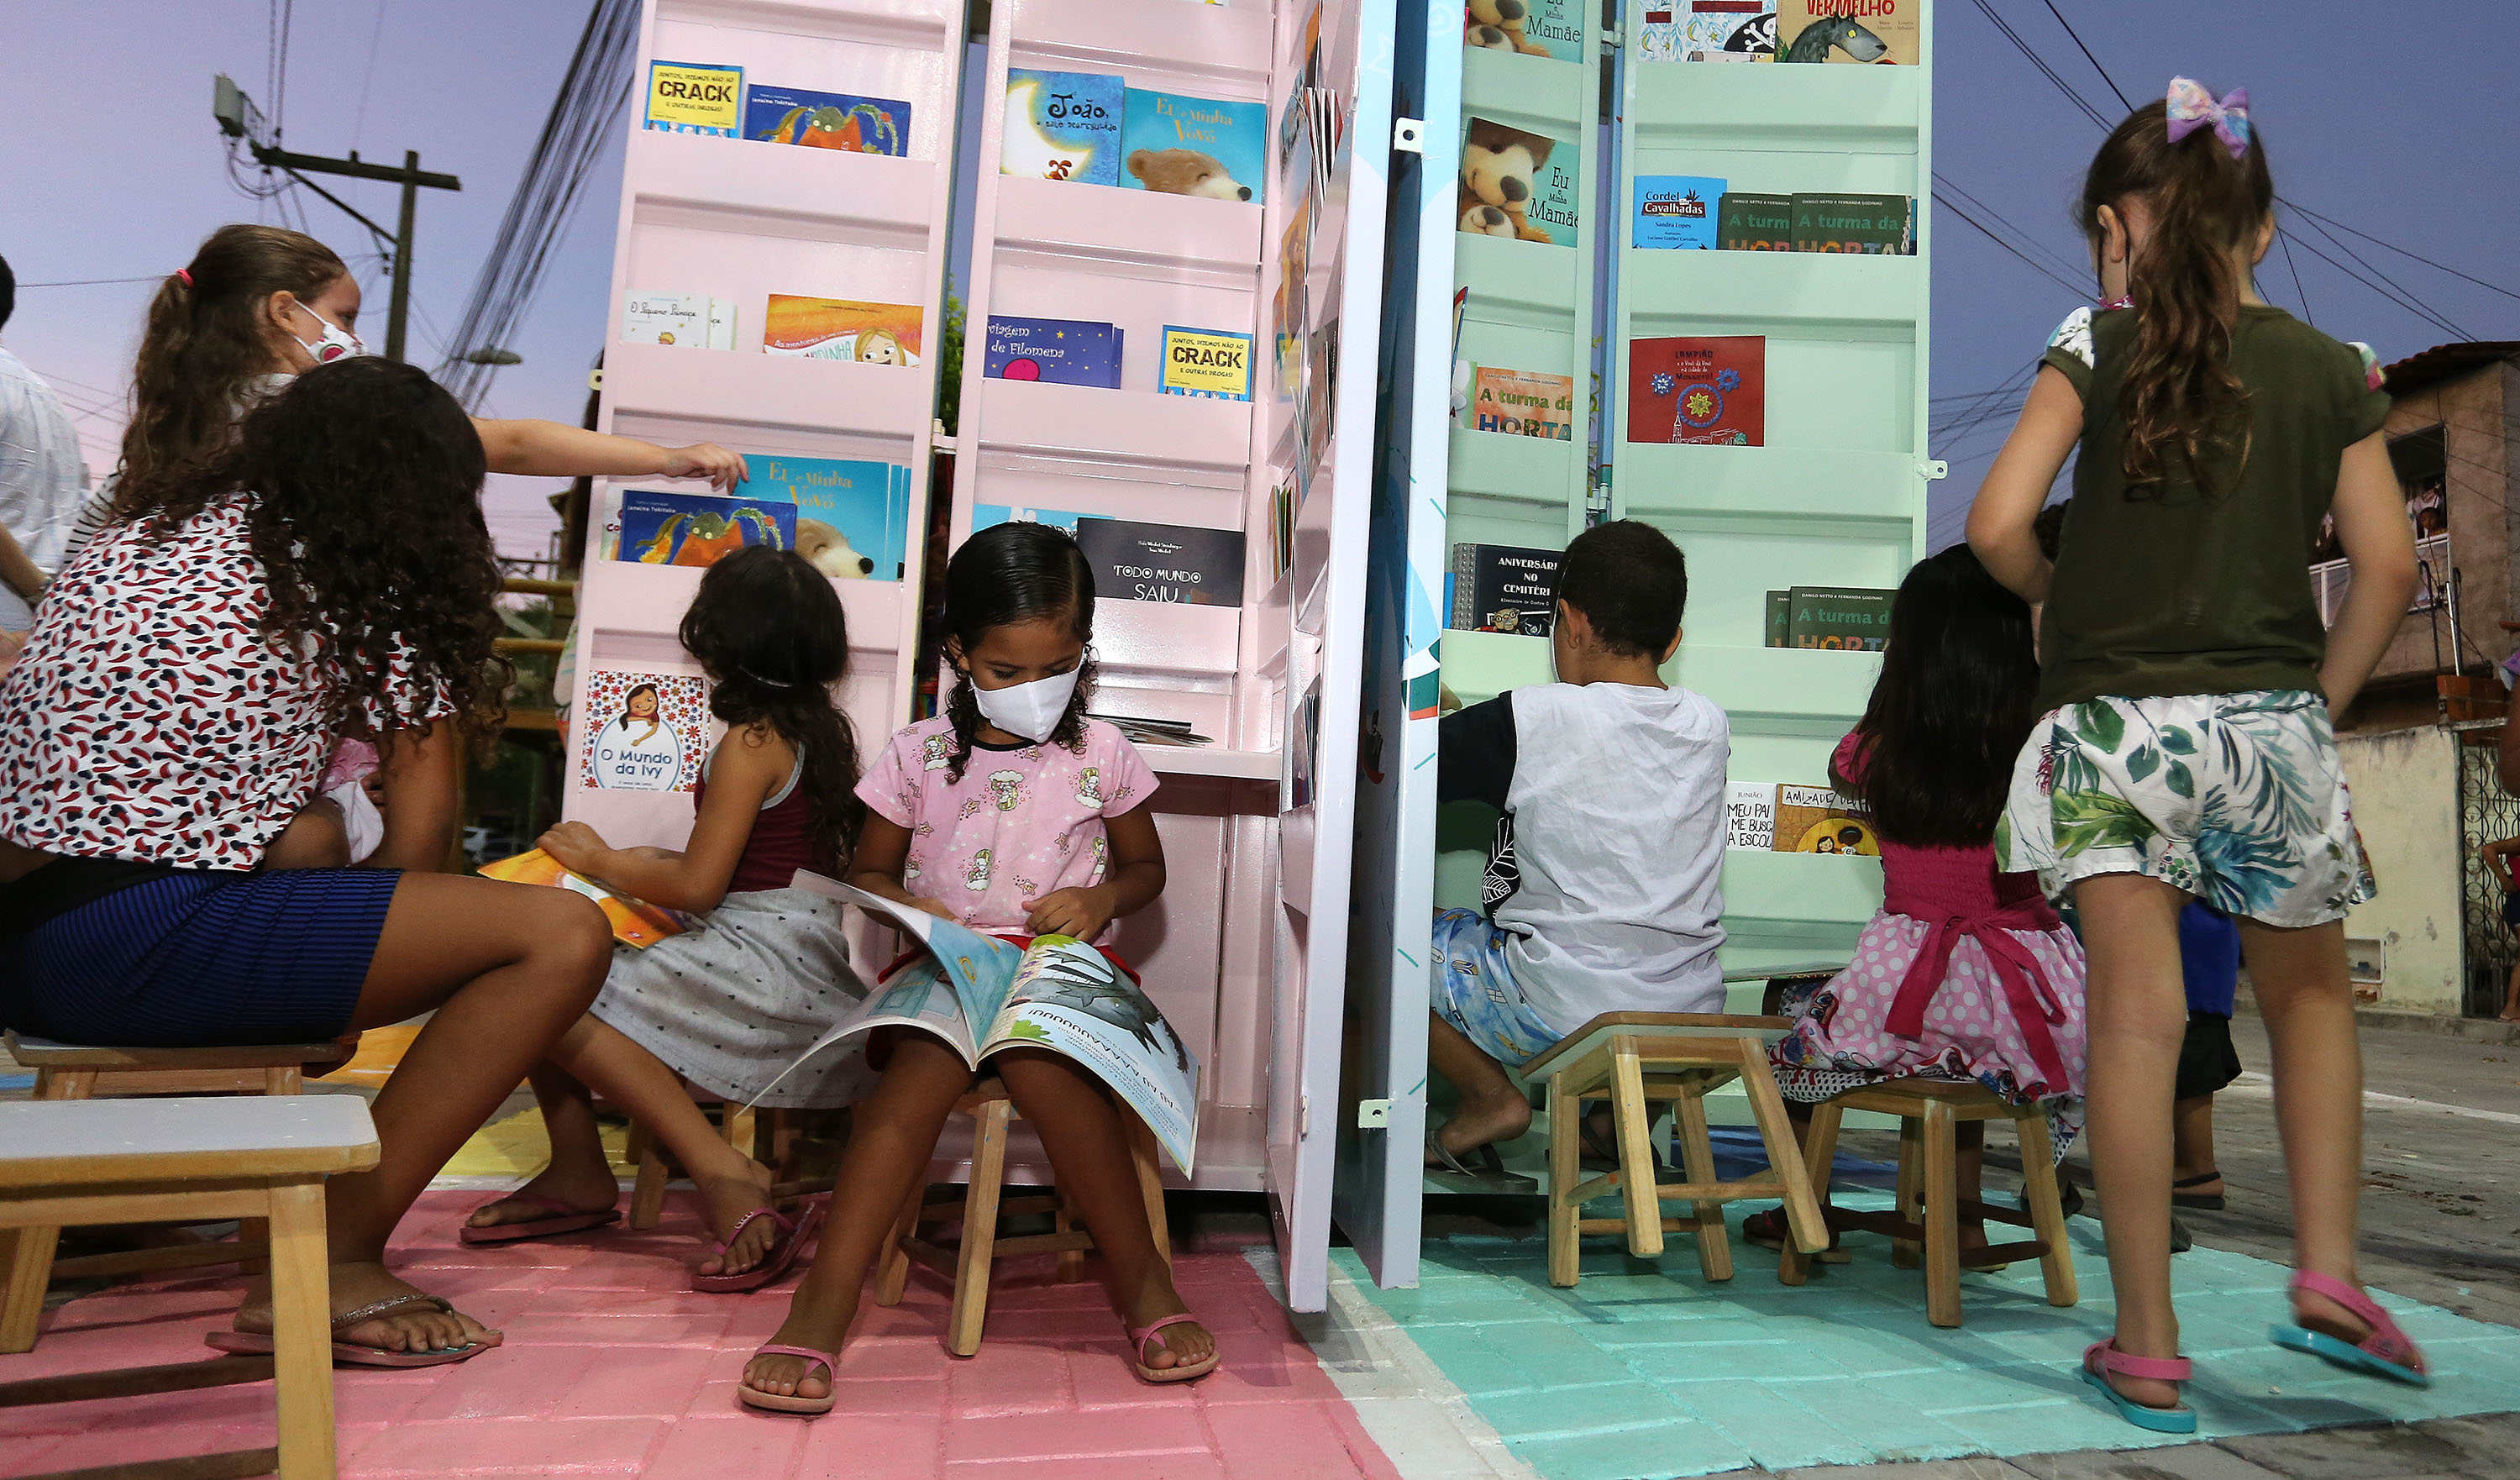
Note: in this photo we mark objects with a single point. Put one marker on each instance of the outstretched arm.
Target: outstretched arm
(548, 449)
(2016, 487)
(2381, 550)
(747, 768)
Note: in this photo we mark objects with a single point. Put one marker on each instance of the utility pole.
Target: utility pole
(239, 118)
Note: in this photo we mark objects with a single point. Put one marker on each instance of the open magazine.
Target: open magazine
(635, 922)
(980, 993)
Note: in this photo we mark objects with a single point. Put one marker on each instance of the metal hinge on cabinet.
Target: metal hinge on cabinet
(1303, 1116)
(1932, 468)
(1609, 39)
(1374, 1114)
(1409, 136)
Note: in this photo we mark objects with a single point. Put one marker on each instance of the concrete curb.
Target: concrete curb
(2481, 1030)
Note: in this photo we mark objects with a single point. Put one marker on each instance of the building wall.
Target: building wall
(2406, 802)
(2480, 491)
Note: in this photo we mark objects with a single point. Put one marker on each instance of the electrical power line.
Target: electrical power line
(2088, 57)
(2041, 63)
(154, 277)
(1948, 204)
(368, 75)
(2061, 263)
(2299, 292)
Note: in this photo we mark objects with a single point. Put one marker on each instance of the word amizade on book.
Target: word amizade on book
(980, 993)
(635, 922)
(1766, 817)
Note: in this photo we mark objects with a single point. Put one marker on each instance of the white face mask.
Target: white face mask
(1032, 710)
(335, 343)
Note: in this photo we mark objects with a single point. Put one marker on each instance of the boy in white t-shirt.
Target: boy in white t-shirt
(1602, 892)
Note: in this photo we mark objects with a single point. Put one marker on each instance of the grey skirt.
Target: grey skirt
(730, 1006)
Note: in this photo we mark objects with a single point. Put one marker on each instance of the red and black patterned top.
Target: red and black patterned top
(150, 718)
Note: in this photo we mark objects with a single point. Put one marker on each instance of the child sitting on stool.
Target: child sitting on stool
(1601, 893)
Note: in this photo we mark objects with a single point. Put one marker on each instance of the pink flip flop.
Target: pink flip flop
(2387, 1352)
(349, 1353)
(563, 1219)
(2102, 1358)
(778, 1402)
(1188, 1371)
(781, 1258)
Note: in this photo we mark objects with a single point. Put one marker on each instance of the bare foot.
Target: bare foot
(2320, 1314)
(416, 1328)
(580, 1189)
(1474, 1125)
(729, 1198)
(1183, 1345)
(815, 1325)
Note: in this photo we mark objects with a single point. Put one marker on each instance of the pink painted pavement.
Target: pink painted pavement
(612, 1367)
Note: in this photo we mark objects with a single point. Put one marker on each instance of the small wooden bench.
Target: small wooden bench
(86, 1071)
(81, 1163)
(967, 1263)
(1635, 1059)
(1930, 1112)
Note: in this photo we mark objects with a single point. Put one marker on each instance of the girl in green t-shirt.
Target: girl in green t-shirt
(2186, 751)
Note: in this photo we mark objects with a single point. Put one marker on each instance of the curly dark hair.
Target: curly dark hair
(770, 631)
(363, 490)
(1003, 576)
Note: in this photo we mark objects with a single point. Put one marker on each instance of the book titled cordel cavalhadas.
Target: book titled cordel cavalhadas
(980, 993)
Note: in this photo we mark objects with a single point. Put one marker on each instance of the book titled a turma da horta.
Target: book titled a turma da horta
(1163, 563)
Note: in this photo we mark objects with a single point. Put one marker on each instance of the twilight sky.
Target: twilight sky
(2384, 120)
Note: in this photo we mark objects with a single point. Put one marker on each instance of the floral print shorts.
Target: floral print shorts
(1475, 990)
(2238, 798)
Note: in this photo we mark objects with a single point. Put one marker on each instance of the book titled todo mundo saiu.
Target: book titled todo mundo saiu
(1055, 351)
(1704, 391)
(1179, 563)
(1063, 126)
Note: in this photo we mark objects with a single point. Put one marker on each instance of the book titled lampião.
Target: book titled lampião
(1702, 391)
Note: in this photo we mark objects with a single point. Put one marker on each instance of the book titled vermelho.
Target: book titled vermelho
(1704, 391)
(1524, 403)
(1214, 363)
(695, 97)
(1163, 563)
(844, 121)
(1502, 588)
(1872, 31)
(1063, 126)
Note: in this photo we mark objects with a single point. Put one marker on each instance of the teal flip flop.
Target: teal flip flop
(2102, 1358)
(2386, 1353)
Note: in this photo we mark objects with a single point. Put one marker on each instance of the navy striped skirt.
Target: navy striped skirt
(201, 960)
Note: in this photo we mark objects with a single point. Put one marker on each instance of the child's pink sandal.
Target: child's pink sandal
(1185, 1372)
(783, 1403)
(778, 1261)
(2385, 1353)
(2102, 1358)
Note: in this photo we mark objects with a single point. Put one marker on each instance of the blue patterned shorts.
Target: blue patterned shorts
(1474, 991)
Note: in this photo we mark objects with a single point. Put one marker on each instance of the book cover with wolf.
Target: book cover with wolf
(1876, 32)
(980, 993)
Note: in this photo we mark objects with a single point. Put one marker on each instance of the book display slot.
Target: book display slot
(1172, 230)
(776, 287)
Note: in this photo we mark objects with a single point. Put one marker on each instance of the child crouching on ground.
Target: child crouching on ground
(1601, 892)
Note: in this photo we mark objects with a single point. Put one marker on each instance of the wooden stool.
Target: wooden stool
(127, 1160)
(82, 1072)
(1928, 1111)
(742, 1125)
(1634, 1059)
(967, 1263)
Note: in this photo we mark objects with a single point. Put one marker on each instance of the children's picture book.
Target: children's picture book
(1849, 30)
(645, 731)
(1850, 618)
(1215, 363)
(1777, 629)
(1658, 34)
(1063, 126)
(852, 515)
(1676, 211)
(1726, 30)
(1184, 146)
(841, 329)
(980, 993)
(1519, 184)
(1524, 403)
(635, 922)
(1320, 394)
(1877, 225)
(1748, 222)
(1768, 816)
(1059, 351)
(1709, 391)
(1282, 529)
(695, 97)
(700, 529)
(1162, 562)
(1502, 588)
(691, 319)
(826, 121)
(983, 516)
(1152, 731)
(1533, 28)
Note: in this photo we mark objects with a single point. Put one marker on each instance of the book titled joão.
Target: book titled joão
(1704, 391)
(826, 121)
(1676, 211)
(1502, 588)
(1215, 363)
(1055, 351)
(1524, 403)
(1063, 126)
(1163, 563)
(695, 97)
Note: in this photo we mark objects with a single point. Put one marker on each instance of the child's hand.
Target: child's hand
(578, 847)
(707, 459)
(1081, 913)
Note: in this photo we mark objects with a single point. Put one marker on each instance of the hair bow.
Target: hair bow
(2191, 108)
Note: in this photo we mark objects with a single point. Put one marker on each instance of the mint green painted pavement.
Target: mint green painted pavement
(1644, 1370)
